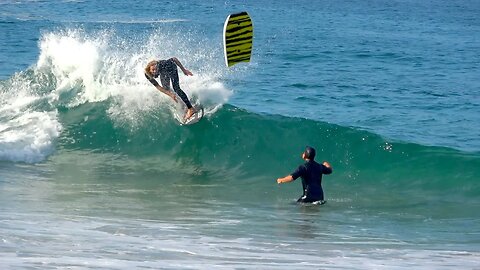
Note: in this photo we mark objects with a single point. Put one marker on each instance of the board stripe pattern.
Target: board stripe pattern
(238, 38)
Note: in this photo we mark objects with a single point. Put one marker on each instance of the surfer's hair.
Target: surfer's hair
(309, 153)
(147, 69)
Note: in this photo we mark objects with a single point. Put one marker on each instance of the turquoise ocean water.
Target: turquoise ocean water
(96, 174)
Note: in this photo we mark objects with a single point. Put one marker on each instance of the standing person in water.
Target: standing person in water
(167, 70)
(311, 173)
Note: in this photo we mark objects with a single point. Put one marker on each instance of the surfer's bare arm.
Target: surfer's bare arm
(161, 89)
(179, 64)
(286, 179)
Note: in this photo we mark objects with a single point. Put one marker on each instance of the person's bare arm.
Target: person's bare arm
(167, 92)
(161, 89)
(285, 179)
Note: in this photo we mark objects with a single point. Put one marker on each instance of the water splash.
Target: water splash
(75, 68)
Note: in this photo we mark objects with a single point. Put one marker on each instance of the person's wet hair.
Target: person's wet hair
(147, 69)
(309, 153)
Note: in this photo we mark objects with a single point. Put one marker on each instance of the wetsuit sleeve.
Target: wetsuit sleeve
(152, 80)
(326, 170)
(298, 172)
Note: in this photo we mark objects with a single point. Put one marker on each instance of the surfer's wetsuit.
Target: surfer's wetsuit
(311, 173)
(167, 70)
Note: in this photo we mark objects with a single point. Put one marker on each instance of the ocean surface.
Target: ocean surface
(95, 172)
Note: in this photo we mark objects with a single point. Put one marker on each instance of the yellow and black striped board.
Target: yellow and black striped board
(238, 38)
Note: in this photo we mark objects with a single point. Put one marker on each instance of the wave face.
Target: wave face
(239, 154)
(240, 144)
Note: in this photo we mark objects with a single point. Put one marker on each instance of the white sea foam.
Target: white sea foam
(75, 62)
(86, 68)
(29, 137)
(26, 134)
(88, 242)
(104, 67)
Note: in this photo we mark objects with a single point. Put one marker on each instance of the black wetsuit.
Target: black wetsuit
(167, 70)
(311, 173)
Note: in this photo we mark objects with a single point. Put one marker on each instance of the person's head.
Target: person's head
(151, 69)
(309, 153)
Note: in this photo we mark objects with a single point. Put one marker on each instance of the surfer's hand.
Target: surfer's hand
(174, 97)
(187, 72)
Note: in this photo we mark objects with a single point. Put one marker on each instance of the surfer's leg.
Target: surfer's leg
(165, 80)
(164, 74)
(173, 73)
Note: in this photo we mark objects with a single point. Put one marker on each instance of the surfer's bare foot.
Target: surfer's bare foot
(189, 114)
